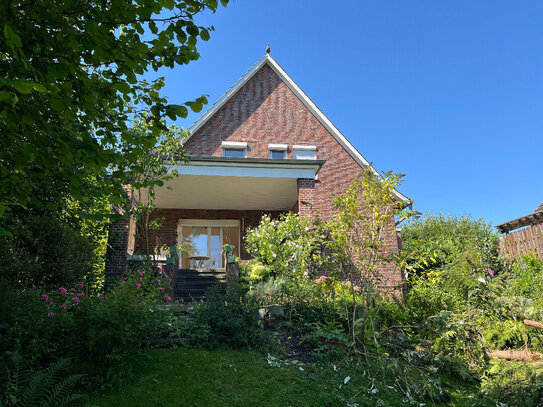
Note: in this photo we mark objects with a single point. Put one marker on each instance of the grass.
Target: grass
(192, 377)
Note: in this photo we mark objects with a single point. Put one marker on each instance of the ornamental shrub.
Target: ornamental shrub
(289, 246)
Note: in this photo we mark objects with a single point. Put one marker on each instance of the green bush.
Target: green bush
(224, 319)
(101, 333)
(46, 253)
(289, 246)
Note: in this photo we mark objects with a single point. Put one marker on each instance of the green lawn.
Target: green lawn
(191, 377)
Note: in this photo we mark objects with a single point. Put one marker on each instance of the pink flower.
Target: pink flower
(138, 285)
(167, 298)
(144, 303)
(63, 291)
(161, 288)
(50, 302)
(75, 299)
(159, 282)
(63, 306)
(490, 271)
(454, 230)
(181, 300)
(80, 294)
(81, 285)
(141, 279)
(321, 279)
(51, 314)
(45, 297)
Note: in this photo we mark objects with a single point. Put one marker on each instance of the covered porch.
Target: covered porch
(212, 202)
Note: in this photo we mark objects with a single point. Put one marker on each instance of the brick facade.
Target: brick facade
(167, 235)
(265, 110)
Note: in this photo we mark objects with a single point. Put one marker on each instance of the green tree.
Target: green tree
(70, 82)
(365, 215)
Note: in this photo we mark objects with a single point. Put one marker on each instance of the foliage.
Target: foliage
(516, 383)
(46, 253)
(224, 319)
(448, 257)
(271, 291)
(100, 333)
(108, 330)
(51, 386)
(150, 170)
(435, 242)
(290, 246)
(364, 220)
(70, 84)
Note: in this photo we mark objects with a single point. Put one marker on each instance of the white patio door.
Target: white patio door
(202, 241)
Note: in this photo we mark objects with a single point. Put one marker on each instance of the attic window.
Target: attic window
(278, 151)
(304, 152)
(236, 149)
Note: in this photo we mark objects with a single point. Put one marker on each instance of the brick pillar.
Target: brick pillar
(117, 246)
(306, 192)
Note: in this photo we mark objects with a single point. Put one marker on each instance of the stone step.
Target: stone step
(192, 284)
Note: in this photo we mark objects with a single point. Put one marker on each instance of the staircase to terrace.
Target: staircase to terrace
(191, 284)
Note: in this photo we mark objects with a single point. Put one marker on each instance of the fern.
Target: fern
(51, 386)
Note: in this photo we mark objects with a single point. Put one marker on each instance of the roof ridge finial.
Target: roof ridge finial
(268, 49)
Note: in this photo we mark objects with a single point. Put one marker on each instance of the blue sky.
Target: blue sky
(449, 93)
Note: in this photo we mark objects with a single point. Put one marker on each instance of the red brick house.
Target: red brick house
(263, 147)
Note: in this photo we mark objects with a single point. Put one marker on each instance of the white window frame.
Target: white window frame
(304, 148)
(209, 223)
(235, 145)
(280, 148)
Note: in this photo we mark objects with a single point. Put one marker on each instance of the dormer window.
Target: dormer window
(304, 152)
(236, 149)
(278, 151)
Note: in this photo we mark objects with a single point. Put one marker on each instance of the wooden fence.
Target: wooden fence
(523, 241)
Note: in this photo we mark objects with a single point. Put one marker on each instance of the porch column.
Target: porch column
(306, 196)
(120, 243)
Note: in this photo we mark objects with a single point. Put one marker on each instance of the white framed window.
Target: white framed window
(304, 152)
(278, 151)
(203, 240)
(237, 149)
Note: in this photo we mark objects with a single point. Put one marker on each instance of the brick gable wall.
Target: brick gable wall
(266, 111)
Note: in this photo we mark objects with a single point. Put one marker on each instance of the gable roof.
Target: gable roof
(308, 103)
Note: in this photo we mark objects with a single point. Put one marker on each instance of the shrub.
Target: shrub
(289, 246)
(100, 333)
(46, 253)
(109, 330)
(224, 319)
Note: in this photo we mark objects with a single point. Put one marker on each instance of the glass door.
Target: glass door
(202, 244)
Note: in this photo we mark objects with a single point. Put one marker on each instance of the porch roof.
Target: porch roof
(235, 183)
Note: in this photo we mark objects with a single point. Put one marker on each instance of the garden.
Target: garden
(325, 314)
(313, 319)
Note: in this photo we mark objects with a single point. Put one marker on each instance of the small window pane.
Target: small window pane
(230, 152)
(277, 155)
(304, 154)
